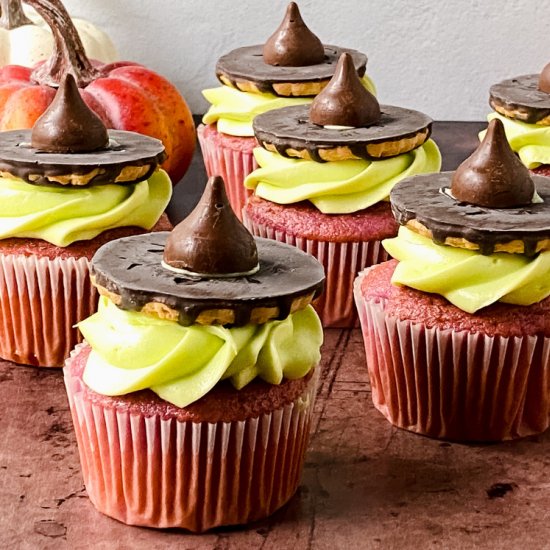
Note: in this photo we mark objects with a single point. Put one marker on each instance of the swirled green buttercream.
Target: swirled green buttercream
(62, 215)
(468, 279)
(234, 110)
(132, 351)
(530, 141)
(338, 187)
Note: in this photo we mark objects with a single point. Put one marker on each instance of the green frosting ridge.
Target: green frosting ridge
(530, 141)
(133, 351)
(62, 215)
(234, 110)
(466, 278)
(338, 187)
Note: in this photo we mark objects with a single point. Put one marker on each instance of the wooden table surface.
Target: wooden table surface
(366, 484)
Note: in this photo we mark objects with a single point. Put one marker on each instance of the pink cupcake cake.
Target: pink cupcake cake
(67, 187)
(193, 393)
(325, 173)
(456, 328)
(522, 104)
(291, 68)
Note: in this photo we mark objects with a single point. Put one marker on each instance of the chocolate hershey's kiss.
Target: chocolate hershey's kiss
(293, 44)
(493, 176)
(544, 79)
(211, 241)
(345, 101)
(68, 125)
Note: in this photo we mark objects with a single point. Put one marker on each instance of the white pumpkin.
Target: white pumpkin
(28, 44)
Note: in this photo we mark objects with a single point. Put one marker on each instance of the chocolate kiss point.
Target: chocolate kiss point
(211, 241)
(493, 176)
(544, 79)
(68, 125)
(293, 44)
(345, 101)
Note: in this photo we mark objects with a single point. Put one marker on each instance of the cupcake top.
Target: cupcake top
(477, 235)
(181, 311)
(208, 270)
(344, 153)
(70, 179)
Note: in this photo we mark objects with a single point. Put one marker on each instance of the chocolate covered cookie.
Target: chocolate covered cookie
(482, 206)
(198, 274)
(344, 122)
(69, 145)
(293, 61)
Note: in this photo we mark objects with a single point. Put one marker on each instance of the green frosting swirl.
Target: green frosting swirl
(62, 215)
(132, 351)
(466, 278)
(530, 141)
(234, 110)
(338, 187)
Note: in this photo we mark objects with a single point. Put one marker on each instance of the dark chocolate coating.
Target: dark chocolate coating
(493, 175)
(18, 158)
(248, 64)
(68, 125)
(131, 268)
(522, 95)
(345, 101)
(211, 239)
(421, 198)
(293, 44)
(290, 127)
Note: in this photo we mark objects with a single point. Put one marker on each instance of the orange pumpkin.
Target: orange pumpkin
(125, 95)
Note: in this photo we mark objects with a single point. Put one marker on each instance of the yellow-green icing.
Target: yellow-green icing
(63, 215)
(234, 110)
(338, 187)
(468, 279)
(530, 141)
(132, 351)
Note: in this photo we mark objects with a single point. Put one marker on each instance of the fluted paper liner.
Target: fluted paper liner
(40, 302)
(160, 472)
(341, 261)
(455, 385)
(232, 164)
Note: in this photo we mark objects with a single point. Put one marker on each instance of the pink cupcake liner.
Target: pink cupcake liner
(163, 472)
(455, 385)
(41, 300)
(232, 164)
(341, 261)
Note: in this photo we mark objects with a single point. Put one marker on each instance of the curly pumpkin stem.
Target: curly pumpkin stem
(12, 15)
(68, 54)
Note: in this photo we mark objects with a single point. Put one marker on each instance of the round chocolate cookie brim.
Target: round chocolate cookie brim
(289, 132)
(245, 69)
(130, 272)
(421, 204)
(520, 98)
(130, 158)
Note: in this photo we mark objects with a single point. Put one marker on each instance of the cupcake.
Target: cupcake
(289, 69)
(67, 187)
(456, 328)
(325, 173)
(193, 393)
(522, 104)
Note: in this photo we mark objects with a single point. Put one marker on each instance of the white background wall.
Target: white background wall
(438, 56)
